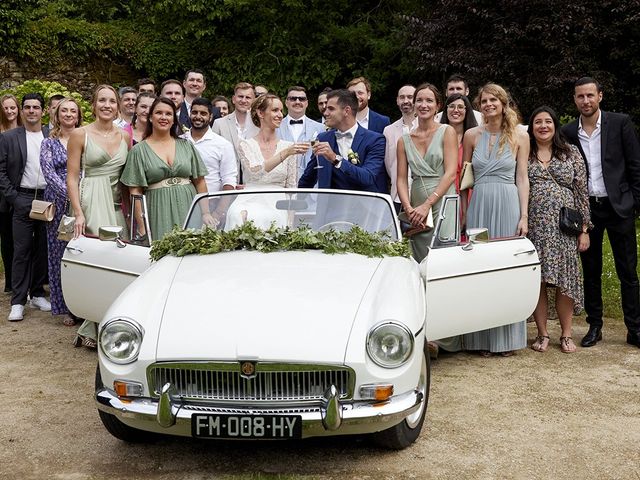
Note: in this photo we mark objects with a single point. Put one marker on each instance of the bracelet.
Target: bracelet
(436, 194)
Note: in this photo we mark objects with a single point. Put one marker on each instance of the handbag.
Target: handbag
(42, 210)
(66, 227)
(466, 176)
(570, 219)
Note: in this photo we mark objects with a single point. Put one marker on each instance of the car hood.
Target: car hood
(282, 306)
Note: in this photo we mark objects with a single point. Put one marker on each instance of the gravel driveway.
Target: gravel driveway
(533, 415)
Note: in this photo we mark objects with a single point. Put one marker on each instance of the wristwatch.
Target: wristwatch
(338, 161)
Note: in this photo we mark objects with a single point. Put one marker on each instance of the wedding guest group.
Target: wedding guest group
(181, 143)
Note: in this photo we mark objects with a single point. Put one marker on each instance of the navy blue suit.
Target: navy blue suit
(377, 122)
(368, 175)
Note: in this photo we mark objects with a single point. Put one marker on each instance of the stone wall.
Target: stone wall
(79, 78)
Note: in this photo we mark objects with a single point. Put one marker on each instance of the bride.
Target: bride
(266, 162)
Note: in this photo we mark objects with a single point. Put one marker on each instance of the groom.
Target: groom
(349, 157)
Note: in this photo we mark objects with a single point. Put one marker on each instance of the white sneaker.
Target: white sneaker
(41, 303)
(17, 313)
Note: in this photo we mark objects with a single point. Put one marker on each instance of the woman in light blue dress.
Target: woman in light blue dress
(499, 153)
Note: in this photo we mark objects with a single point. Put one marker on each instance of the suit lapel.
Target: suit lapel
(22, 143)
(357, 139)
(604, 120)
(233, 131)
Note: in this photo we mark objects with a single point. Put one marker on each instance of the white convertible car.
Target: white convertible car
(288, 344)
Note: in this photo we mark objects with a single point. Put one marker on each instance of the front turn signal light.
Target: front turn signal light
(380, 392)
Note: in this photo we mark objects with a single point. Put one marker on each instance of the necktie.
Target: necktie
(295, 122)
(340, 135)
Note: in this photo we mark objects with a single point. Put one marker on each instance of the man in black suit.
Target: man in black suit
(21, 181)
(610, 147)
(194, 86)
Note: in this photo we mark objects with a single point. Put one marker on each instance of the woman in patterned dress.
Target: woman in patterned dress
(557, 178)
(53, 161)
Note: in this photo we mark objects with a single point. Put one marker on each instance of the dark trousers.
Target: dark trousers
(29, 252)
(622, 236)
(6, 245)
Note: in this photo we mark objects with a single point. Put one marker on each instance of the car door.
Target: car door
(477, 284)
(94, 272)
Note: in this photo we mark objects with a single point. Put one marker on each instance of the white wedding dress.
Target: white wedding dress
(261, 209)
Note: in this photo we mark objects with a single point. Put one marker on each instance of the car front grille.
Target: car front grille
(270, 383)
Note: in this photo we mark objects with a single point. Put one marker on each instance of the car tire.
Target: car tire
(118, 429)
(406, 432)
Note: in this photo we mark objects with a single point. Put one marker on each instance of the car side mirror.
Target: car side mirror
(476, 235)
(111, 234)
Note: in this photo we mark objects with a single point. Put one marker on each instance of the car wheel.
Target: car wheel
(118, 429)
(406, 432)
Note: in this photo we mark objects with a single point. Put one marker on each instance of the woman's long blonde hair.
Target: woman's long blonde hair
(4, 121)
(55, 119)
(509, 123)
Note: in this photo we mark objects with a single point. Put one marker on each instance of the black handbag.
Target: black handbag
(570, 221)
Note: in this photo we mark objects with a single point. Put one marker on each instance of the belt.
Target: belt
(599, 200)
(169, 182)
(31, 191)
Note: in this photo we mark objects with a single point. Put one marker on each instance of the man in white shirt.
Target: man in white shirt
(458, 84)
(393, 132)
(296, 126)
(366, 117)
(238, 125)
(322, 103)
(22, 181)
(128, 97)
(194, 86)
(609, 145)
(216, 152)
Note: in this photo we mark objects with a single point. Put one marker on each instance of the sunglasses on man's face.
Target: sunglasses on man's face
(299, 99)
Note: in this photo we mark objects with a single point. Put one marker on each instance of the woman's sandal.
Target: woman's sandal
(80, 341)
(69, 322)
(484, 353)
(567, 345)
(541, 343)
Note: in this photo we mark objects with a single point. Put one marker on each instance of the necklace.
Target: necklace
(101, 132)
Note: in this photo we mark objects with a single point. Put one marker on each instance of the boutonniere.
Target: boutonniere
(184, 128)
(353, 157)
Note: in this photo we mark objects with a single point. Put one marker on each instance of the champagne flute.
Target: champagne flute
(314, 141)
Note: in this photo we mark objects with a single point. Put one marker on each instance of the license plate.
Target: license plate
(246, 426)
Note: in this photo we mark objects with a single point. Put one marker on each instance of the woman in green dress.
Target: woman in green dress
(95, 159)
(167, 169)
(431, 154)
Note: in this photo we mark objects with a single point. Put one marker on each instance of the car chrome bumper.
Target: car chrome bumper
(173, 417)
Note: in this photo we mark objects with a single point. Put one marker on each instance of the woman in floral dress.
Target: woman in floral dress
(557, 178)
(53, 161)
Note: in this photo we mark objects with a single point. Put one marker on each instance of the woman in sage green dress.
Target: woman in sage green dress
(167, 169)
(431, 153)
(95, 159)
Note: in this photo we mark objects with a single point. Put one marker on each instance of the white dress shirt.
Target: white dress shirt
(219, 157)
(32, 176)
(364, 122)
(297, 128)
(593, 152)
(344, 144)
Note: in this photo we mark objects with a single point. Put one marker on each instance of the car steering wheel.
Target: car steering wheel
(339, 225)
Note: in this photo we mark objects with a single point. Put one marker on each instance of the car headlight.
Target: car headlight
(389, 344)
(120, 340)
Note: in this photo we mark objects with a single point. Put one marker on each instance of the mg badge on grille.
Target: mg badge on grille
(248, 369)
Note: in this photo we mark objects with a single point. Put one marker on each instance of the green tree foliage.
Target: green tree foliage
(535, 48)
(47, 90)
(314, 43)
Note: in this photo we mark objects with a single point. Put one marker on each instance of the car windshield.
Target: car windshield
(316, 209)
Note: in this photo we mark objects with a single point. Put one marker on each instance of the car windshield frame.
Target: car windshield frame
(380, 208)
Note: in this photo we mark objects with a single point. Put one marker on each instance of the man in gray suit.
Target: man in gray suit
(22, 181)
(238, 125)
(296, 126)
